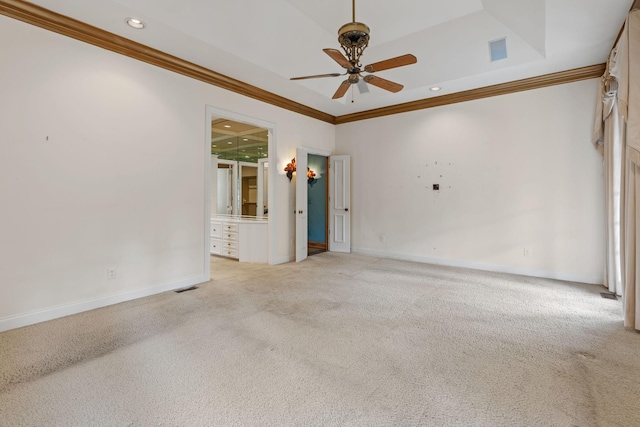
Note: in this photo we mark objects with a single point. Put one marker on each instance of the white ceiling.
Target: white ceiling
(265, 42)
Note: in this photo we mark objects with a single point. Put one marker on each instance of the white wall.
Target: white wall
(120, 182)
(515, 172)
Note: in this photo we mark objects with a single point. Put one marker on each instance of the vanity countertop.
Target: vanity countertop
(239, 219)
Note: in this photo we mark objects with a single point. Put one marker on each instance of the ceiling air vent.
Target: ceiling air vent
(498, 49)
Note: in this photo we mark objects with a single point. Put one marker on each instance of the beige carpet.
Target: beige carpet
(342, 340)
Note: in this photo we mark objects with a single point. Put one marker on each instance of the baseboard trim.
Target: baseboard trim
(51, 313)
(566, 277)
(283, 260)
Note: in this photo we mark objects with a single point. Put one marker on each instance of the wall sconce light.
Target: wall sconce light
(311, 176)
(290, 169)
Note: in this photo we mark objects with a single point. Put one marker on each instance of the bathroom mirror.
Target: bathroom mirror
(241, 149)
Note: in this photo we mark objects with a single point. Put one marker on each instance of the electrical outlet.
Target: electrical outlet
(111, 273)
(436, 187)
(527, 252)
(383, 238)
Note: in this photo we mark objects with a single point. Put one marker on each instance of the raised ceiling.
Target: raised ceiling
(265, 42)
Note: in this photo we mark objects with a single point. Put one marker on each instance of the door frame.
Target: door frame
(210, 113)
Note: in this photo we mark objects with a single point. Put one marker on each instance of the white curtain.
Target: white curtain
(613, 161)
(632, 250)
(617, 135)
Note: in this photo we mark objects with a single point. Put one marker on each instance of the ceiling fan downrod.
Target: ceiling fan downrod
(354, 38)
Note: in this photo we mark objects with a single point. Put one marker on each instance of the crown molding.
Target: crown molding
(584, 73)
(52, 21)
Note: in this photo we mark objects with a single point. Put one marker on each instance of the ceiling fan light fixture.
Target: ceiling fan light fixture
(353, 78)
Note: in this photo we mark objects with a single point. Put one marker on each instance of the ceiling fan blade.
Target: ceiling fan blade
(383, 83)
(337, 56)
(398, 61)
(342, 89)
(362, 86)
(317, 76)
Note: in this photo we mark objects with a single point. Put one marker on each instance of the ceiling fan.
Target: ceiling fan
(354, 38)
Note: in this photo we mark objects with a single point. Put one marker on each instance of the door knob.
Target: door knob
(346, 209)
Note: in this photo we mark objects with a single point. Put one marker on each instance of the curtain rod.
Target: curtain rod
(634, 6)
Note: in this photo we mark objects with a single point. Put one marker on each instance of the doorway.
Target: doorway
(339, 217)
(238, 145)
(318, 204)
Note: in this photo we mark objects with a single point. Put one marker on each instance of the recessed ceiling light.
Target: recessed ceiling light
(227, 126)
(435, 88)
(214, 145)
(230, 142)
(246, 157)
(245, 139)
(135, 23)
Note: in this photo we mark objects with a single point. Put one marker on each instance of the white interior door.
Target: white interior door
(226, 186)
(339, 203)
(235, 193)
(224, 195)
(301, 205)
(263, 167)
(213, 183)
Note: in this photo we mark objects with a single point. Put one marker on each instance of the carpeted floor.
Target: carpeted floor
(339, 340)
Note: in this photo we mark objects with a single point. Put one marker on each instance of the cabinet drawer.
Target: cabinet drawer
(230, 226)
(231, 253)
(216, 229)
(215, 246)
(229, 244)
(230, 237)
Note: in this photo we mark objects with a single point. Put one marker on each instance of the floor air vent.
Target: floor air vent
(192, 288)
(608, 295)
